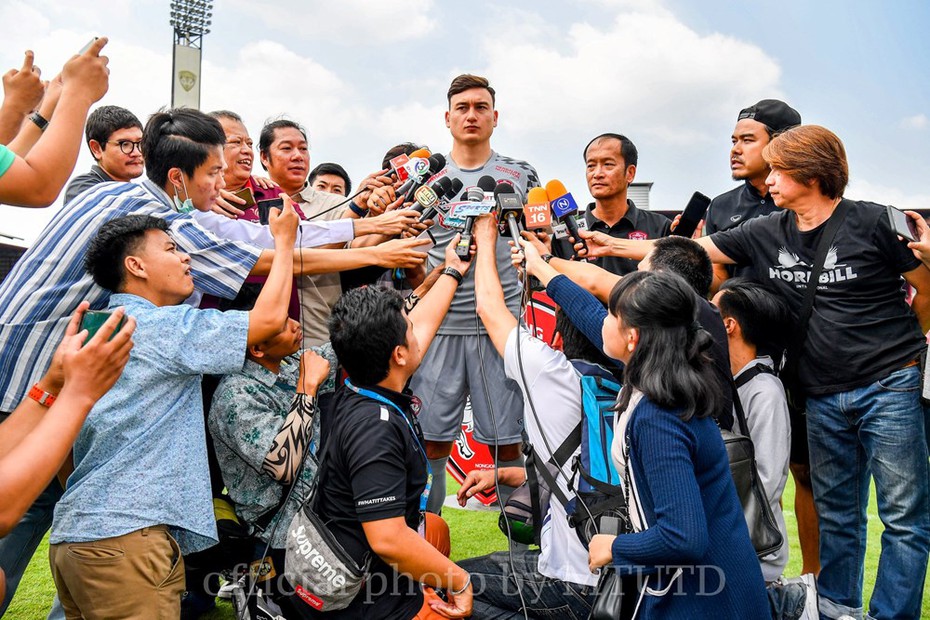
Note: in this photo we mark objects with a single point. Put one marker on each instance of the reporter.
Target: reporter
(37, 436)
(36, 179)
(691, 541)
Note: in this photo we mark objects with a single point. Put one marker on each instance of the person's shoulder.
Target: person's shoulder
(521, 164)
(727, 198)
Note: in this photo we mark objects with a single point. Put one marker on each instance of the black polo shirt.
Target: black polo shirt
(731, 209)
(374, 470)
(636, 224)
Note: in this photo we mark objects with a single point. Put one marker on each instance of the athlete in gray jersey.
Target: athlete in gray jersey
(462, 361)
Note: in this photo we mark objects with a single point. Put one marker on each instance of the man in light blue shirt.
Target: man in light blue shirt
(139, 495)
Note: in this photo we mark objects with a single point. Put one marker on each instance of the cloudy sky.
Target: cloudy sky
(671, 74)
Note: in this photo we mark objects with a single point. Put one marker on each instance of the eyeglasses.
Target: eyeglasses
(127, 146)
(237, 143)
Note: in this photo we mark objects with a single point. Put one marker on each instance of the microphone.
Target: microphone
(564, 208)
(428, 197)
(536, 213)
(475, 194)
(452, 188)
(511, 211)
(436, 162)
(399, 169)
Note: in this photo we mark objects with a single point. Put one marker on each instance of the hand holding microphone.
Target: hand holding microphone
(564, 208)
(474, 194)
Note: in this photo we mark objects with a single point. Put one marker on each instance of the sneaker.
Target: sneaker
(811, 610)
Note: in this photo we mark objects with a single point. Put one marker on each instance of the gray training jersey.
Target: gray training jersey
(462, 319)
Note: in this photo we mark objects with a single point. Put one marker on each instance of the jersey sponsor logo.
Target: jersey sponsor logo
(791, 268)
(508, 171)
(315, 560)
(638, 235)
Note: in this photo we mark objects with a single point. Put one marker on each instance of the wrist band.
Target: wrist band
(411, 302)
(46, 399)
(465, 587)
(40, 121)
(449, 271)
(546, 258)
(357, 210)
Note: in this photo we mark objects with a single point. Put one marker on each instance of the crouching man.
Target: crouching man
(374, 476)
(139, 494)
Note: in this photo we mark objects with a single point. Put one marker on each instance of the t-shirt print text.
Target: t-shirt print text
(791, 268)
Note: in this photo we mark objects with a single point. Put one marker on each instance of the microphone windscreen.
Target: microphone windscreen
(555, 188)
(424, 153)
(487, 183)
(436, 163)
(537, 196)
(504, 188)
(455, 186)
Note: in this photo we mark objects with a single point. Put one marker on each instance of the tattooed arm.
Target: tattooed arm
(292, 441)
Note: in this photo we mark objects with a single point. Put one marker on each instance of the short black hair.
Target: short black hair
(227, 114)
(365, 327)
(107, 119)
(267, 136)
(114, 241)
(331, 168)
(627, 149)
(178, 138)
(467, 81)
(686, 258)
(245, 299)
(763, 316)
(576, 346)
(404, 148)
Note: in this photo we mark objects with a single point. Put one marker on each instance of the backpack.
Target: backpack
(594, 480)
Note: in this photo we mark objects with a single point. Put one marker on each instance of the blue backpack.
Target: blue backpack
(595, 482)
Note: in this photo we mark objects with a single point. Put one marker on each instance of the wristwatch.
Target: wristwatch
(449, 271)
(46, 399)
(546, 258)
(40, 121)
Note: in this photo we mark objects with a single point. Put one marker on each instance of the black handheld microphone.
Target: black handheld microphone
(511, 210)
(451, 188)
(436, 163)
(427, 197)
(475, 194)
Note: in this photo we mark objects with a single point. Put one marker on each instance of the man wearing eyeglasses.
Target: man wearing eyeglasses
(114, 137)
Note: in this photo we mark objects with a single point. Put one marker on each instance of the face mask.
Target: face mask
(183, 207)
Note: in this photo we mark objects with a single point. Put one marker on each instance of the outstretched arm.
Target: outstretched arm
(489, 294)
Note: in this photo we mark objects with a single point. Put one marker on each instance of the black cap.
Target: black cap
(777, 115)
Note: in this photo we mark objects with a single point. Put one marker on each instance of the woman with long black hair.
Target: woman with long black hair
(690, 547)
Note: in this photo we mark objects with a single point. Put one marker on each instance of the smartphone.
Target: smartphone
(902, 224)
(93, 320)
(692, 215)
(87, 46)
(265, 206)
(245, 194)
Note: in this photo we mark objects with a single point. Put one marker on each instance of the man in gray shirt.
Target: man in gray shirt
(462, 361)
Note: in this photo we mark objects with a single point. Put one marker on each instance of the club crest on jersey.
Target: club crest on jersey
(638, 235)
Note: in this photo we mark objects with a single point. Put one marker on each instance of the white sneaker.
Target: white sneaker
(811, 610)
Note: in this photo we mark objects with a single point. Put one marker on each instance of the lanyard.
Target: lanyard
(384, 401)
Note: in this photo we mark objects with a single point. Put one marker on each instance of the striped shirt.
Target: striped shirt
(46, 285)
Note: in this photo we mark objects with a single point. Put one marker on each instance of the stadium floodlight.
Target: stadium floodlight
(191, 20)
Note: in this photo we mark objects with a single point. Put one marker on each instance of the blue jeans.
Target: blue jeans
(497, 592)
(877, 430)
(18, 547)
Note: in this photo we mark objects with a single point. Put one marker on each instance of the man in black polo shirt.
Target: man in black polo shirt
(755, 127)
(374, 476)
(611, 160)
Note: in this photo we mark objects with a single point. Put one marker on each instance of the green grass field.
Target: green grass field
(473, 533)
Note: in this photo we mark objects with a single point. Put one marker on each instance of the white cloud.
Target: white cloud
(864, 189)
(359, 22)
(918, 121)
